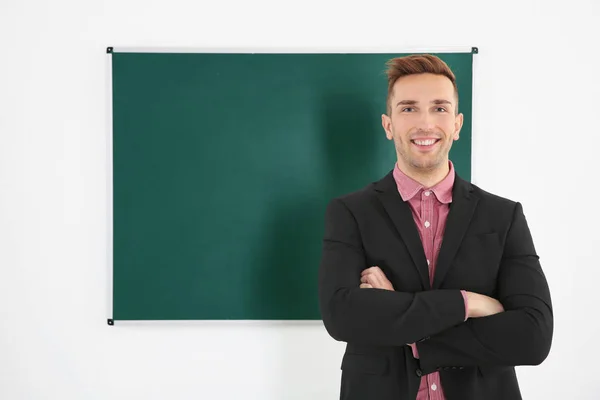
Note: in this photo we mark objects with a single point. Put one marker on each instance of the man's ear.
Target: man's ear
(386, 122)
(458, 123)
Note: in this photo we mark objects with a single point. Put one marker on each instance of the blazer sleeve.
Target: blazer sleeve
(522, 334)
(373, 316)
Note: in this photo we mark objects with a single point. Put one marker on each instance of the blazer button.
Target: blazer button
(419, 372)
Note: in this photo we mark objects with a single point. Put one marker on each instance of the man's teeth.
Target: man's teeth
(425, 142)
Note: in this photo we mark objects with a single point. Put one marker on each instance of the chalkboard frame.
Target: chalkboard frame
(109, 117)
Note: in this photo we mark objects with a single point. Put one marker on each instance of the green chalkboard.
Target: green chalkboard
(222, 167)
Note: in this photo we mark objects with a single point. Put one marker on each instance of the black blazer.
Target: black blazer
(487, 248)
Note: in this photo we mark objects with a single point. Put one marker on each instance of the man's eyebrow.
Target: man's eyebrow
(413, 102)
(406, 102)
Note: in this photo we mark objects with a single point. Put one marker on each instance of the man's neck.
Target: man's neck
(427, 178)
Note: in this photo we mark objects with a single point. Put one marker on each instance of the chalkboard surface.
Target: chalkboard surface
(223, 165)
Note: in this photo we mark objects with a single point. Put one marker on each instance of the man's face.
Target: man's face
(422, 121)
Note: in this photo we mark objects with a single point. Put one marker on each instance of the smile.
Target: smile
(425, 144)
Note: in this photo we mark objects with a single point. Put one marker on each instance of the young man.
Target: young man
(434, 284)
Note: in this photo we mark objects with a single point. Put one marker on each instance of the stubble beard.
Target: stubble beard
(422, 166)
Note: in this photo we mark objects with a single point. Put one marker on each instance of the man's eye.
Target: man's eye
(440, 109)
(409, 109)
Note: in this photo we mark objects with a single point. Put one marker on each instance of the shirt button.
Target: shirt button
(434, 387)
(427, 262)
(427, 224)
(427, 193)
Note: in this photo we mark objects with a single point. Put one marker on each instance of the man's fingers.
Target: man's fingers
(379, 274)
(370, 270)
(376, 281)
(375, 278)
(365, 286)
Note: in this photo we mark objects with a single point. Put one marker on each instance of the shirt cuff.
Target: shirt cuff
(415, 352)
(464, 295)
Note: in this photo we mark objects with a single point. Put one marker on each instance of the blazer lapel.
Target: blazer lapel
(460, 214)
(400, 214)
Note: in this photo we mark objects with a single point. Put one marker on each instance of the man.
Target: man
(434, 284)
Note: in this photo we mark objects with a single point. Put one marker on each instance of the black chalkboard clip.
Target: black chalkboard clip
(111, 322)
(109, 50)
(475, 50)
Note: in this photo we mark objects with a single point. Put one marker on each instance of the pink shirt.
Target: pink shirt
(430, 207)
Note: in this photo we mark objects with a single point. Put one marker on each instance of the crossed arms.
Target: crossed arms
(515, 329)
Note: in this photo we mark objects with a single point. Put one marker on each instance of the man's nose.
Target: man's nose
(426, 122)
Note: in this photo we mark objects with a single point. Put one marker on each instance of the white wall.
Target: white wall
(536, 140)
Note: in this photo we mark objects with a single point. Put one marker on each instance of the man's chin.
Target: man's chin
(426, 166)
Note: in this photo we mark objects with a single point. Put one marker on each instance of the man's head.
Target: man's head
(422, 113)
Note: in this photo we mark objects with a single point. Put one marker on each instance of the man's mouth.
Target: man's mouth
(425, 144)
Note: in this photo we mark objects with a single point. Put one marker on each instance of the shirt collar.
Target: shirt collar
(408, 187)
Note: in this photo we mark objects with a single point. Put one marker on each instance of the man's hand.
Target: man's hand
(374, 278)
(480, 305)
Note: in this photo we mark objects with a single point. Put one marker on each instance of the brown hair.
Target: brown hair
(417, 64)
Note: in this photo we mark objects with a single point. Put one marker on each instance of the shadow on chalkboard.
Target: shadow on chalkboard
(286, 285)
(351, 133)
